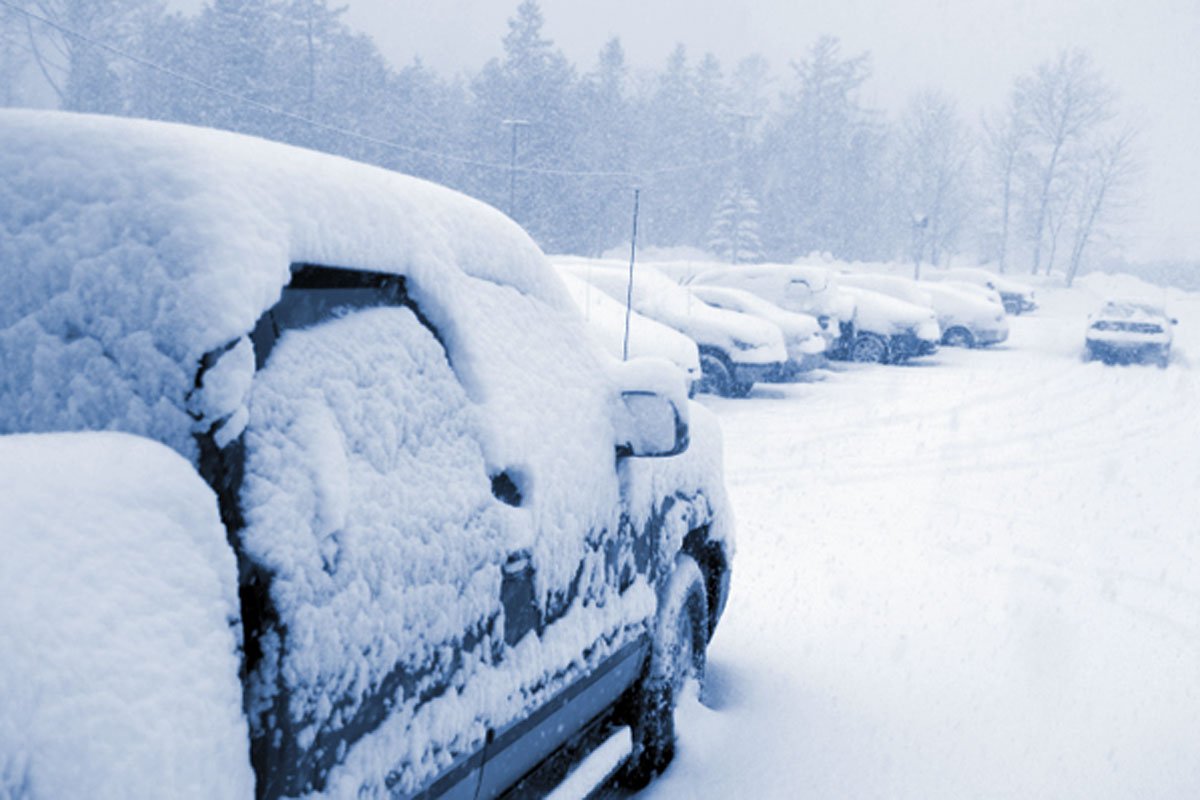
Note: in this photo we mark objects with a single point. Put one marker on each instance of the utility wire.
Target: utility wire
(346, 132)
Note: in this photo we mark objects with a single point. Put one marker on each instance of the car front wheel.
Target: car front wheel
(868, 349)
(676, 657)
(716, 377)
(958, 337)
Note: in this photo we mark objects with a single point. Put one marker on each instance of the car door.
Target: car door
(377, 544)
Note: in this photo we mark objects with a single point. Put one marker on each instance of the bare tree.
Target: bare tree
(1063, 103)
(67, 40)
(1004, 140)
(932, 169)
(1110, 169)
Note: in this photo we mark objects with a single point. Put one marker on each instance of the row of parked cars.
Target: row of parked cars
(770, 322)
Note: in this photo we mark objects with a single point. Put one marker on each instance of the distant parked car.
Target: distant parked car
(803, 335)
(798, 288)
(736, 350)
(966, 318)
(891, 331)
(1125, 331)
(464, 539)
(1016, 296)
(647, 338)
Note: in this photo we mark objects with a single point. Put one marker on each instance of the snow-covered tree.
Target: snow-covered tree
(734, 234)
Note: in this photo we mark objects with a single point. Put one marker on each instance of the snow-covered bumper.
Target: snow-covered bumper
(759, 373)
(986, 336)
(1126, 351)
(914, 342)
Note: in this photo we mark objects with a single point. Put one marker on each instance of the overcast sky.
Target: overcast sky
(1148, 49)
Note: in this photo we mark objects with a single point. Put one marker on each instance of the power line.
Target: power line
(346, 132)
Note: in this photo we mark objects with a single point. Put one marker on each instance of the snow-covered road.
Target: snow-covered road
(978, 576)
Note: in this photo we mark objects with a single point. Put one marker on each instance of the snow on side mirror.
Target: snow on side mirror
(655, 427)
(651, 419)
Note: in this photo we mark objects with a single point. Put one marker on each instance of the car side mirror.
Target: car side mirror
(1174, 321)
(653, 426)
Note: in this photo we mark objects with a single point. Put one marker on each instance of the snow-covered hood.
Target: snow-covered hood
(647, 337)
(746, 339)
(794, 287)
(955, 307)
(887, 316)
(802, 332)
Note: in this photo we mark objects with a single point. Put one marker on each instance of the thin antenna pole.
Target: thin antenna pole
(629, 289)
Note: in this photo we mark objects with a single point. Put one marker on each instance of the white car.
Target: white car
(966, 318)
(806, 340)
(736, 350)
(1016, 296)
(890, 331)
(1130, 330)
(647, 338)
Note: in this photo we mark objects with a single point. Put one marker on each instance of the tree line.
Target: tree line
(732, 160)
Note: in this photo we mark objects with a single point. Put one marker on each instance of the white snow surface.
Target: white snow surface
(746, 339)
(976, 577)
(647, 338)
(118, 625)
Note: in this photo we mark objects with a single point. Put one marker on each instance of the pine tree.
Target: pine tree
(734, 234)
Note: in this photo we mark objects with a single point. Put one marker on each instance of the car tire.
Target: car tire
(677, 655)
(958, 336)
(716, 376)
(869, 349)
(1013, 308)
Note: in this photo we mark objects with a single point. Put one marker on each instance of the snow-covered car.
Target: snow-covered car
(465, 538)
(1130, 330)
(890, 331)
(647, 338)
(966, 319)
(804, 337)
(736, 350)
(799, 288)
(1016, 296)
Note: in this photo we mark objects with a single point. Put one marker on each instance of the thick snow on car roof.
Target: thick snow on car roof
(1128, 308)
(130, 248)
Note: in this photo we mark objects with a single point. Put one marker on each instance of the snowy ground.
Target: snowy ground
(978, 576)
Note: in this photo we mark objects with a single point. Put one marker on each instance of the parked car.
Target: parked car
(890, 331)
(966, 319)
(803, 336)
(800, 289)
(647, 338)
(1130, 330)
(1017, 297)
(465, 537)
(736, 350)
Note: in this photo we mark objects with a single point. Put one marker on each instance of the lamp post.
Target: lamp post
(514, 124)
(920, 221)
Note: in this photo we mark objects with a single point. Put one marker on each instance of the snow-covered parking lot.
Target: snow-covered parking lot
(972, 577)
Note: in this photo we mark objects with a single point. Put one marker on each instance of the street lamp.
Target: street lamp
(512, 163)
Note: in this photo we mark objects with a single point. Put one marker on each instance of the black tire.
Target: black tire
(869, 349)
(676, 656)
(716, 376)
(958, 336)
(740, 388)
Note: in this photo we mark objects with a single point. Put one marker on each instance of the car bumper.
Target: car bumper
(991, 337)
(907, 345)
(758, 373)
(1127, 352)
